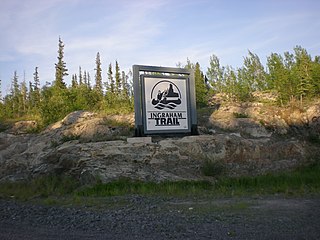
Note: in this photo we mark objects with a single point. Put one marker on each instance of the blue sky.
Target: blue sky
(149, 32)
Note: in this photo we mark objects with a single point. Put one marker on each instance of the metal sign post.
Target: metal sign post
(164, 100)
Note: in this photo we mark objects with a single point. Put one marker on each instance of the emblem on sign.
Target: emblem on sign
(168, 95)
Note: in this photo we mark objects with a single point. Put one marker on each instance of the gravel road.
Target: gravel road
(137, 217)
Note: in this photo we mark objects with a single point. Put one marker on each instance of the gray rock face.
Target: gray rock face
(57, 151)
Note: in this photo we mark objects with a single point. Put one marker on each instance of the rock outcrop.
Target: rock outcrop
(90, 147)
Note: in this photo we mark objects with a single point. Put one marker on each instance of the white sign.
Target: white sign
(166, 103)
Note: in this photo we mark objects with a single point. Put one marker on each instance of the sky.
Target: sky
(148, 32)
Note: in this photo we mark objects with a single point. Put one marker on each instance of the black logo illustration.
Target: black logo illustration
(165, 94)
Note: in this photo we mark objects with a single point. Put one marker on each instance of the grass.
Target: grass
(304, 180)
(42, 187)
(300, 182)
(125, 186)
(212, 168)
(240, 115)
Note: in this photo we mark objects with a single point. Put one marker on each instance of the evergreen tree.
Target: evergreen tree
(36, 87)
(61, 69)
(125, 87)
(89, 81)
(302, 69)
(30, 96)
(98, 77)
(15, 95)
(23, 98)
(316, 75)
(278, 77)
(85, 80)
(201, 90)
(118, 80)
(230, 78)
(74, 81)
(111, 82)
(80, 77)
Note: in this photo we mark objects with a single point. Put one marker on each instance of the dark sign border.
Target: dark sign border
(137, 88)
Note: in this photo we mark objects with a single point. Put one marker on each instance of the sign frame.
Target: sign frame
(140, 72)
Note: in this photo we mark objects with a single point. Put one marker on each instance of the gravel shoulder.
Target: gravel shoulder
(140, 217)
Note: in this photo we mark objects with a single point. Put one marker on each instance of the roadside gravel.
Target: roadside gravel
(139, 217)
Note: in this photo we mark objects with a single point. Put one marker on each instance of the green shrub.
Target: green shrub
(212, 168)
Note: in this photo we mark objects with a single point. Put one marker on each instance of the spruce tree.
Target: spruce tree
(89, 81)
(278, 77)
(118, 80)
(201, 90)
(23, 98)
(111, 81)
(85, 80)
(302, 69)
(15, 94)
(80, 76)
(36, 87)
(98, 77)
(60, 66)
(125, 87)
(74, 82)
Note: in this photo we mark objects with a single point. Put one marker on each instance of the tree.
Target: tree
(278, 77)
(36, 87)
(302, 69)
(98, 77)
(61, 69)
(23, 98)
(118, 80)
(89, 81)
(201, 90)
(125, 87)
(15, 95)
(316, 75)
(215, 74)
(80, 77)
(230, 79)
(85, 79)
(253, 73)
(74, 81)
(111, 82)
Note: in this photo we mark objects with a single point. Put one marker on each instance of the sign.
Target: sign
(165, 103)
(164, 100)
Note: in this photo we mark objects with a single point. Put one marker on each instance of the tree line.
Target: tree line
(55, 100)
(290, 76)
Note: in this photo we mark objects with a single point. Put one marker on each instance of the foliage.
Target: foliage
(60, 66)
(291, 76)
(240, 115)
(201, 90)
(212, 168)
